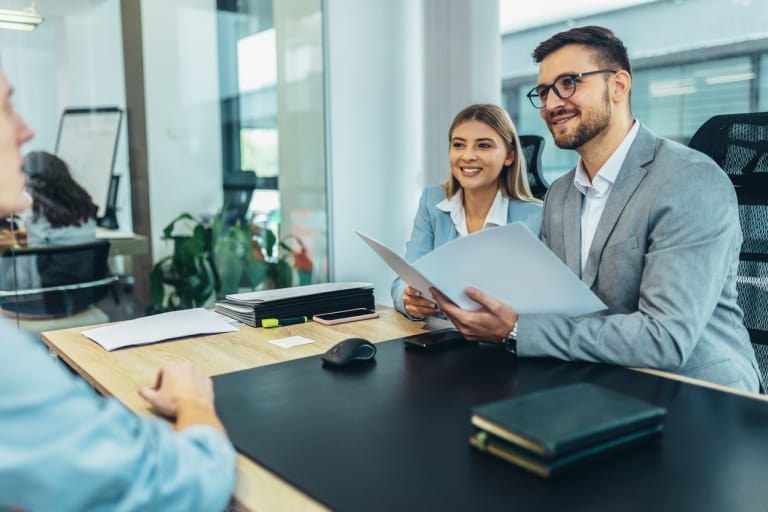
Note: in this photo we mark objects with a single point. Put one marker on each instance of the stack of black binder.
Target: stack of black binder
(253, 307)
(550, 431)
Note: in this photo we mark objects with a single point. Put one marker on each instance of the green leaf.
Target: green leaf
(257, 272)
(168, 230)
(283, 274)
(269, 242)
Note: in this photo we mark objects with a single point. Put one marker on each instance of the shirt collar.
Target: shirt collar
(606, 176)
(497, 215)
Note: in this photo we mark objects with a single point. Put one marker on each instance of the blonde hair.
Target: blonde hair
(513, 180)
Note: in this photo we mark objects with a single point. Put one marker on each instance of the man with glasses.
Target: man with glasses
(651, 226)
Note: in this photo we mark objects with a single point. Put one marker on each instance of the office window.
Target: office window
(272, 111)
(673, 101)
(761, 101)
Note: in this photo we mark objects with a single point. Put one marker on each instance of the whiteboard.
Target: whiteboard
(87, 142)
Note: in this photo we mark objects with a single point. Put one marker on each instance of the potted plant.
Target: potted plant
(215, 258)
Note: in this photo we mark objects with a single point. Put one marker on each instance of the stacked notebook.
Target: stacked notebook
(253, 307)
(550, 431)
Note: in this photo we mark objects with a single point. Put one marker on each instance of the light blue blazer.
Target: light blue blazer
(663, 259)
(433, 227)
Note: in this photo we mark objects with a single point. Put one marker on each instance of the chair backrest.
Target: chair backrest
(739, 144)
(237, 198)
(59, 280)
(533, 145)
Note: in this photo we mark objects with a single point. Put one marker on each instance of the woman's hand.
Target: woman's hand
(417, 305)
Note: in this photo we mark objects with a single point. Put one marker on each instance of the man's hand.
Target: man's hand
(417, 305)
(492, 322)
(183, 392)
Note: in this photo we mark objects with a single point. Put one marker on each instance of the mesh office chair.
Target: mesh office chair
(739, 144)
(533, 145)
(56, 287)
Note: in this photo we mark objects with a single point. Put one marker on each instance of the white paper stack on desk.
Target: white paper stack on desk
(253, 307)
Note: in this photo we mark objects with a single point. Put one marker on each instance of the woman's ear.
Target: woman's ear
(510, 158)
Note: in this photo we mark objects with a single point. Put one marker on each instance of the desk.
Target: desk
(122, 243)
(122, 372)
(703, 458)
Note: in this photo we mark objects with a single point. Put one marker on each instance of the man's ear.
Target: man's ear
(622, 84)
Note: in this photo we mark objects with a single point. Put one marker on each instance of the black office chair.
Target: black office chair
(56, 287)
(533, 145)
(739, 144)
(237, 199)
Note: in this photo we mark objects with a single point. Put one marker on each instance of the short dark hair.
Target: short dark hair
(609, 49)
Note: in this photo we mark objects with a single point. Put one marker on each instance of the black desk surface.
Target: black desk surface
(394, 436)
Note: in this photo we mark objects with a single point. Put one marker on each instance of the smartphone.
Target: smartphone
(348, 315)
(436, 340)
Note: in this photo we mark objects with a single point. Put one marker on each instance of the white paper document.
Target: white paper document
(165, 326)
(506, 262)
(291, 341)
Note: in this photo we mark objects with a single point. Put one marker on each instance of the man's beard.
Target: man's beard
(590, 126)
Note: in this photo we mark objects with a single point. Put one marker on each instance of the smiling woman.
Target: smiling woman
(488, 186)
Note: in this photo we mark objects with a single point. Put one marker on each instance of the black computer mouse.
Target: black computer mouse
(350, 351)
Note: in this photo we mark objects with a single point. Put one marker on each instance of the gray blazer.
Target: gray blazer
(433, 227)
(663, 259)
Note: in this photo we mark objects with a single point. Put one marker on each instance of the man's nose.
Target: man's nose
(24, 132)
(552, 101)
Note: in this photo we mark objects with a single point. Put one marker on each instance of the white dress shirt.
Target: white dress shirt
(596, 191)
(497, 215)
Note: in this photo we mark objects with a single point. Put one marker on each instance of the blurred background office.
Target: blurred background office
(315, 118)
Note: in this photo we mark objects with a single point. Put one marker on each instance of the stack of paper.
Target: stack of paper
(253, 307)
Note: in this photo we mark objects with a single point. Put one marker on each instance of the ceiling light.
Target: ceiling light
(24, 19)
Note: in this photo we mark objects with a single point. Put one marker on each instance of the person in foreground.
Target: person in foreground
(488, 186)
(651, 226)
(63, 447)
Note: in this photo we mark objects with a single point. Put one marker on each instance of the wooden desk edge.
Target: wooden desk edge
(702, 383)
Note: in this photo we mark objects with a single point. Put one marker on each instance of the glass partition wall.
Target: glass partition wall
(272, 110)
(224, 103)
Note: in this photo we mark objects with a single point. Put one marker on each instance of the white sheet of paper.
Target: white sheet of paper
(505, 262)
(165, 326)
(291, 341)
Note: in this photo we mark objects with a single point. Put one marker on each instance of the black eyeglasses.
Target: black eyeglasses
(564, 87)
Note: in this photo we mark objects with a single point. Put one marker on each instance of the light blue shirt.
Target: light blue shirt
(433, 227)
(63, 447)
(454, 206)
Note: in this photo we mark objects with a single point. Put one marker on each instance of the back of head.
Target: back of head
(609, 50)
(513, 180)
(55, 194)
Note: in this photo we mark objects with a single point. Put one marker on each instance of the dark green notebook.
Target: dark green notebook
(548, 467)
(557, 421)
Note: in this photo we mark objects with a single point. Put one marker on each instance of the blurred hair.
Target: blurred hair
(513, 180)
(608, 48)
(55, 195)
